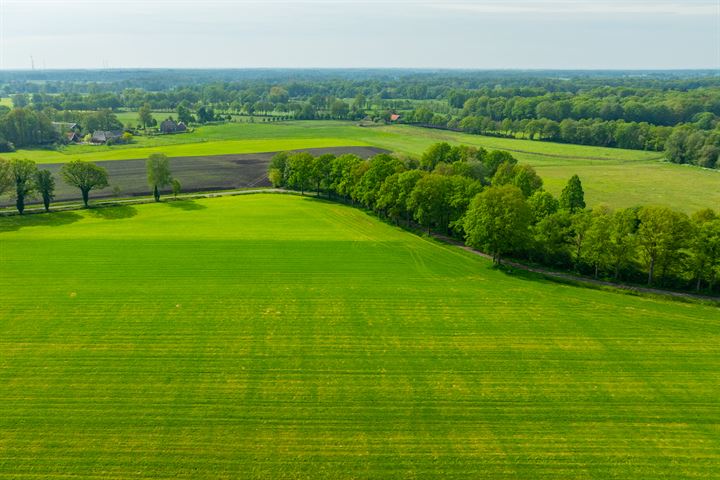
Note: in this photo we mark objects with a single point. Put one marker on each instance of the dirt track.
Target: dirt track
(214, 172)
(576, 278)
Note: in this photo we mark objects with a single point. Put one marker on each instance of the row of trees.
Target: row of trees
(686, 143)
(499, 206)
(653, 106)
(28, 180)
(654, 97)
(22, 179)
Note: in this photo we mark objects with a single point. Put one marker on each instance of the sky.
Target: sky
(469, 34)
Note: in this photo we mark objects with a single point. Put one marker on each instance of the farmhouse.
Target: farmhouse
(102, 136)
(72, 137)
(394, 117)
(171, 126)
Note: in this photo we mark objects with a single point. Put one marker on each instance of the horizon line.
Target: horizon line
(465, 69)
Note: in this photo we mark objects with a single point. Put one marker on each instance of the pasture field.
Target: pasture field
(131, 118)
(278, 336)
(619, 178)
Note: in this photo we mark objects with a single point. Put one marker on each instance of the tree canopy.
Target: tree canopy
(86, 176)
(158, 173)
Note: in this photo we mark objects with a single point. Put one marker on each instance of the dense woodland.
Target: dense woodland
(499, 206)
(674, 112)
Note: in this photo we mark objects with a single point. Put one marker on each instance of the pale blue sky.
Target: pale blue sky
(524, 34)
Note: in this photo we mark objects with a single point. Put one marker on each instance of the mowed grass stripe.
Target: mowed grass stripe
(284, 337)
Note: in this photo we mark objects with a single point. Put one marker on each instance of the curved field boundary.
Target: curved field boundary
(541, 154)
(575, 157)
(576, 278)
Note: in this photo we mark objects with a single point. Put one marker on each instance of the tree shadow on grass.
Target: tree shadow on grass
(53, 219)
(185, 205)
(114, 213)
(525, 275)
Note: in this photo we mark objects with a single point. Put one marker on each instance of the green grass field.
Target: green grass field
(620, 178)
(131, 118)
(276, 337)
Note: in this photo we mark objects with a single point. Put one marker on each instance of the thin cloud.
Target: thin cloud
(674, 7)
(580, 7)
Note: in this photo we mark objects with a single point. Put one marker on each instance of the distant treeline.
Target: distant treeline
(673, 111)
(497, 205)
(25, 127)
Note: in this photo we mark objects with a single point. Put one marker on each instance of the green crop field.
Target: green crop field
(131, 118)
(620, 178)
(274, 336)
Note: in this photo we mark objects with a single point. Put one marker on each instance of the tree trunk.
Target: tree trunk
(46, 202)
(156, 193)
(577, 257)
(651, 271)
(85, 194)
(20, 203)
(596, 270)
(699, 283)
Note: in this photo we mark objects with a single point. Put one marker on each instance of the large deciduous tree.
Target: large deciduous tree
(279, 169)
(597, 239)
(6, 180)
(158, 173)
(661, 234)
(145, 115)
(498, 220)
(580, 224)
(184, 114)
(320, 172)
(622, 240)
(23, 174)
(86, 176)
(387, 197)
(572, 197)
(343, 174)
(429, 201)
(704, 261)
(542, 204)
(522, 176)
(300, 166)
(436, 153)
(379, 168)
(45, 186)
